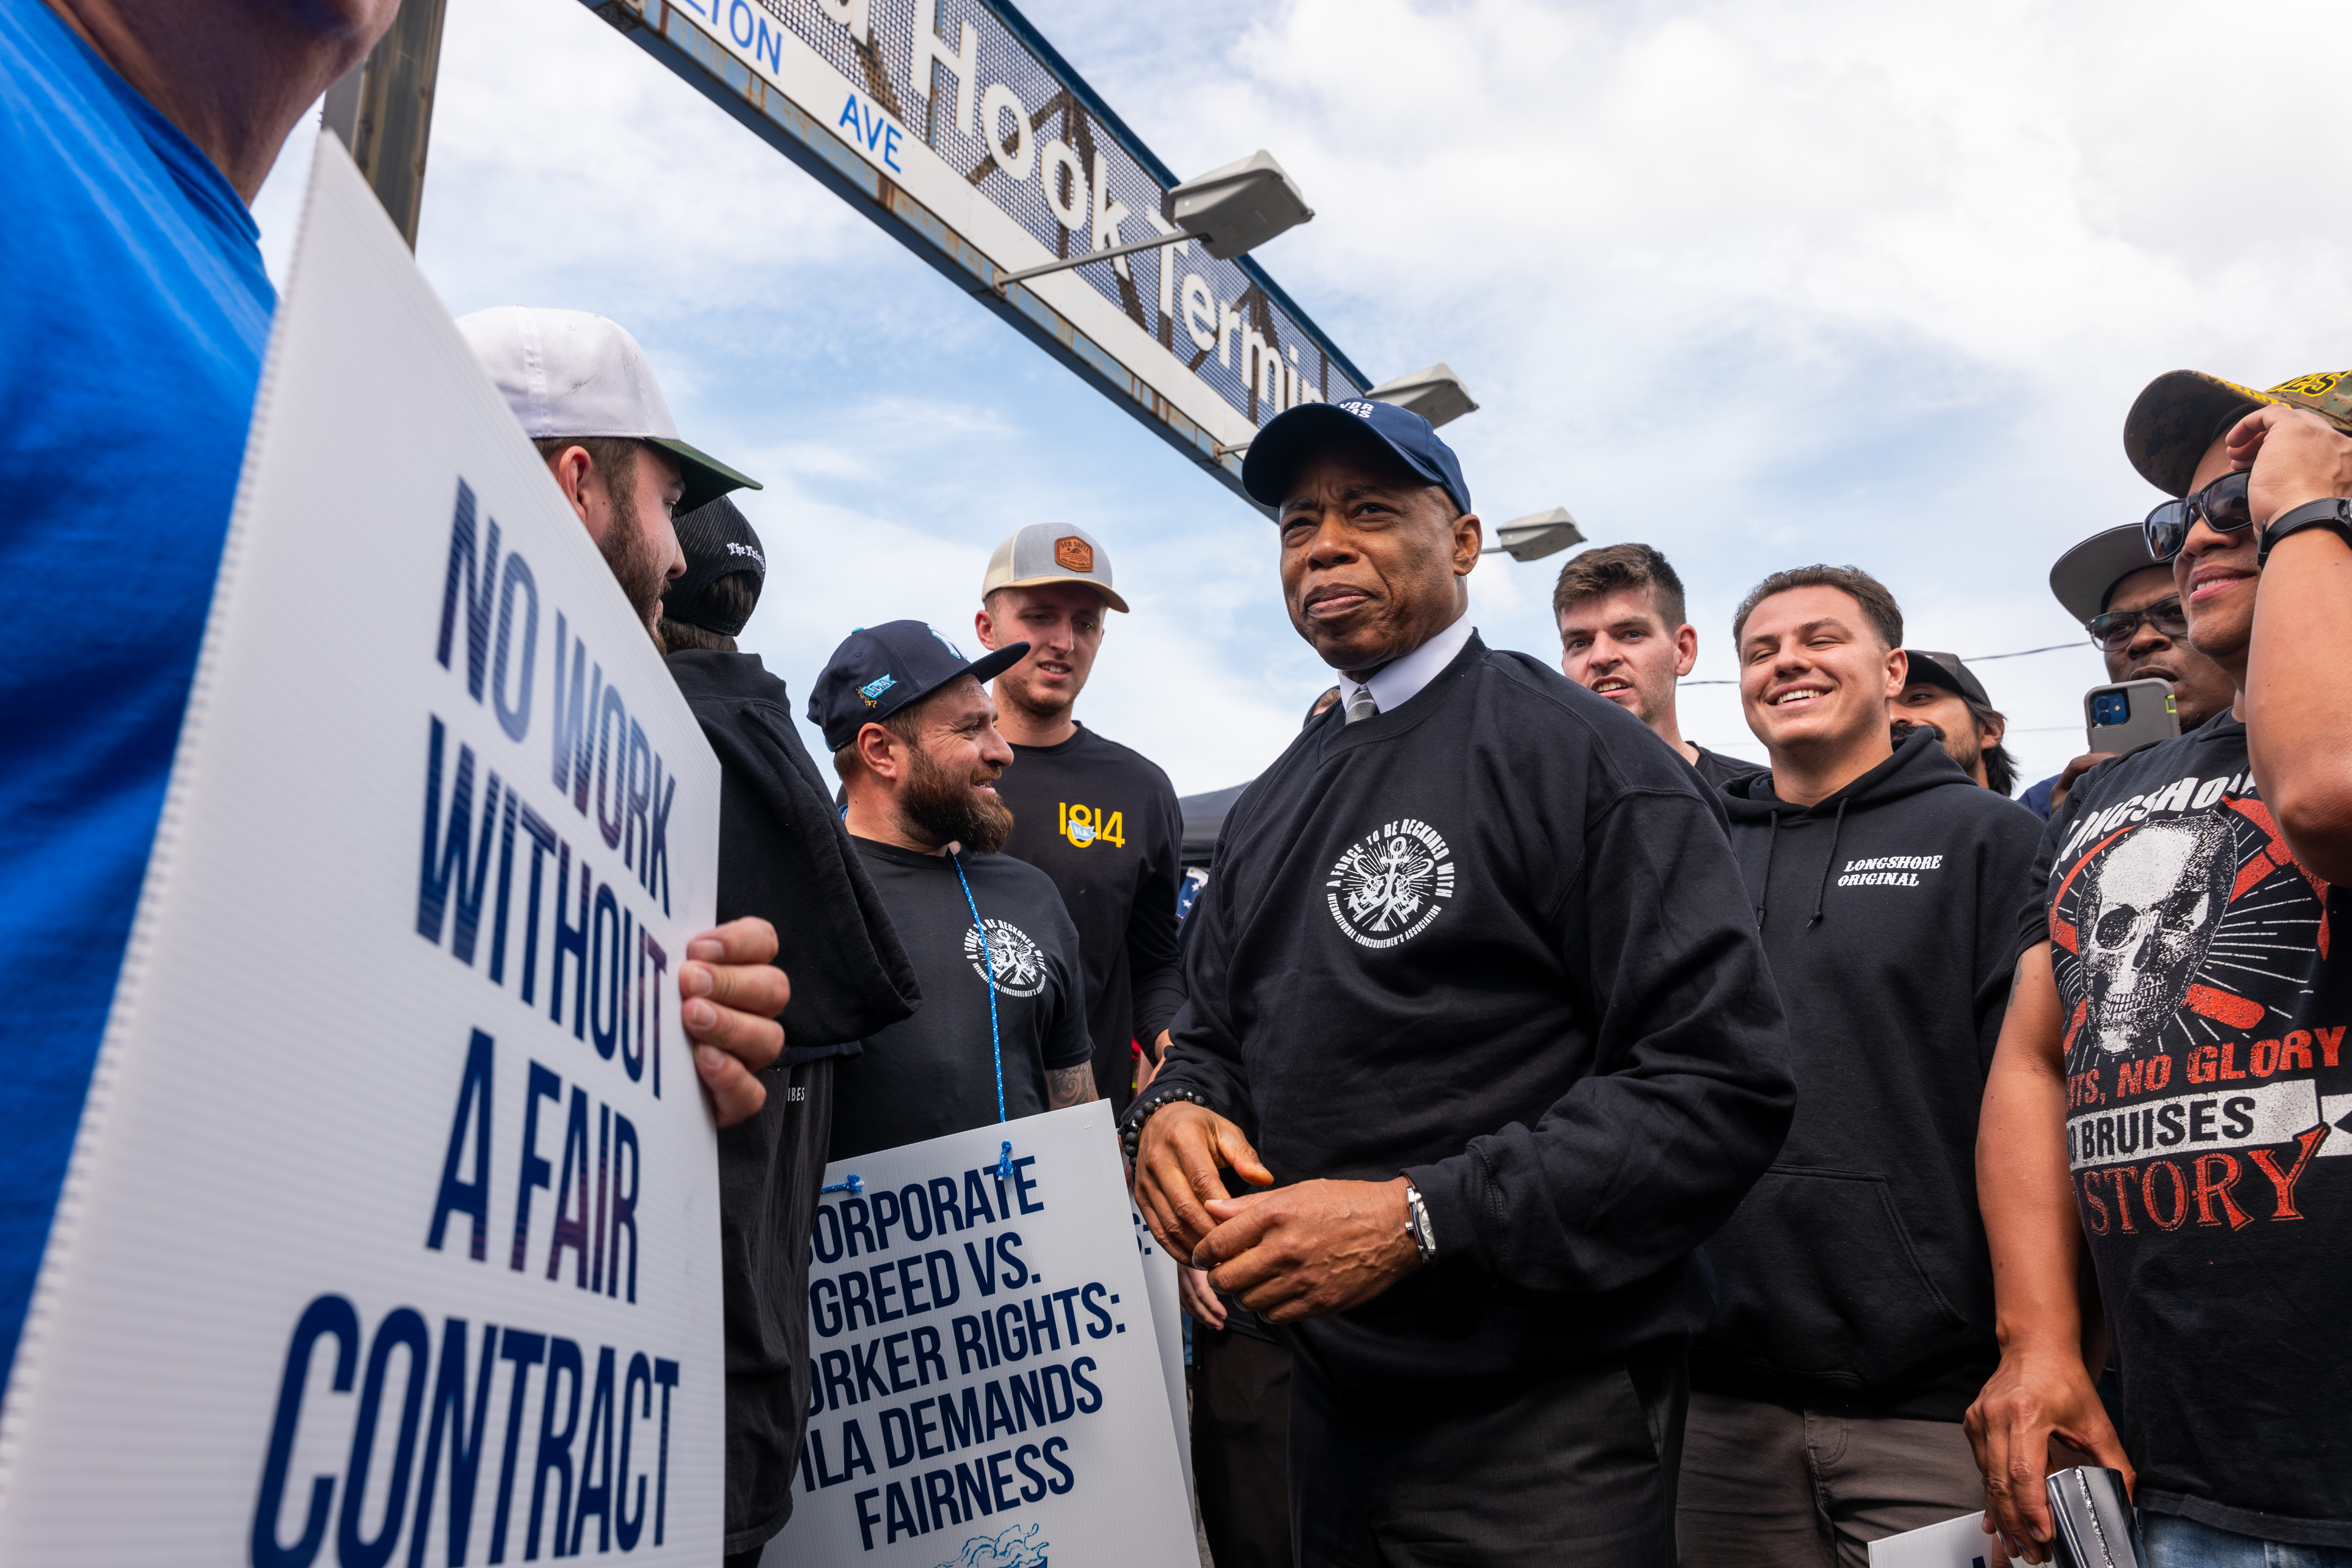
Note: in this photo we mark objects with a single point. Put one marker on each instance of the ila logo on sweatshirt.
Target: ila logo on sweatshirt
(1384, 890)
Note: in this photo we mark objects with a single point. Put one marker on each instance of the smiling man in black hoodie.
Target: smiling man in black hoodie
(1475, 965)
(1853, 1298)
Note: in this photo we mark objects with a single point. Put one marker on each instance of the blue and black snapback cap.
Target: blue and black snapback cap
(877, 671)
(1298, 433)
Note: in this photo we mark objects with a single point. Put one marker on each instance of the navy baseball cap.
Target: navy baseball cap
(1298, 433)
(877, 671)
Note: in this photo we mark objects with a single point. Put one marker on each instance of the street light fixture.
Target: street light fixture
(1533, 538)
(1437, 394)
(1231, 211)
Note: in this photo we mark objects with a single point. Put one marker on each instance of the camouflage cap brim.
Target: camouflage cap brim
(2176, 417)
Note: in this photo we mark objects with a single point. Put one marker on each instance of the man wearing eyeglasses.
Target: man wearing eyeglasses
(2176, 1029)
(2125, 600)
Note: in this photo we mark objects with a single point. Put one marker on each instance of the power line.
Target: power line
(1973, 659)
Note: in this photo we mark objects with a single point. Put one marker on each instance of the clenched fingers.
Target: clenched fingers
(736, 1095)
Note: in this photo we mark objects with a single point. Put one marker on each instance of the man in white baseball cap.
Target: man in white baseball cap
(587, 397)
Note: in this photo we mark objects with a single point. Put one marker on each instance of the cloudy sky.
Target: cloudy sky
(1761, 284)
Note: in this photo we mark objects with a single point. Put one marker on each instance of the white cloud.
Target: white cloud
(1761, 283)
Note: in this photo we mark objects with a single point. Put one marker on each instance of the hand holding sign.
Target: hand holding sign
(733, 996)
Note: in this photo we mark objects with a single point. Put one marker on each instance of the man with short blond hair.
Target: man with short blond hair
(1623, 636)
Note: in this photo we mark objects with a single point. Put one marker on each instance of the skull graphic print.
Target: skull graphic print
(2149, 910)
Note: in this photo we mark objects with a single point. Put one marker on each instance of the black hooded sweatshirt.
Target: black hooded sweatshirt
(1492, 940)
(1855, 1274)
(782, 855)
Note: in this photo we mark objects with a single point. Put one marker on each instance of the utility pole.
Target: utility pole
(383, 110)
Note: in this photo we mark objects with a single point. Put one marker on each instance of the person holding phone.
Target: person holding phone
(2125, 600)
(2170, 1083)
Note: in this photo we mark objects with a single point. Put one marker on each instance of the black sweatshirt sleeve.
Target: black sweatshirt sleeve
(784, 854)
(2006, 867)
(1154, 961)
(1691, 1092)
(1205, 1056)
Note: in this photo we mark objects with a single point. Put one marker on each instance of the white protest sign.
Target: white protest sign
(1168, 1322)
(986, 1389)
(1955, 1543)
(394, 1210)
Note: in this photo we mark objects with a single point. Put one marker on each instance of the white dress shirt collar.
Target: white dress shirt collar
(1401, 679)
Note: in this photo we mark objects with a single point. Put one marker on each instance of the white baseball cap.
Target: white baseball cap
(572, 372)
(1051, 552)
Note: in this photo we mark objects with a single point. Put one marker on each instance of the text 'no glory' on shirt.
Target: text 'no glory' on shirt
(2210, 1131)
(935, 1073)
(1101, 820)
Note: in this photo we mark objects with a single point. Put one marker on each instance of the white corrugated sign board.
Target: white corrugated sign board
(394, 1203)
(986, 1389)
(1168, 1322)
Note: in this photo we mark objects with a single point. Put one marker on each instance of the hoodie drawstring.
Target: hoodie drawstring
(1764, 891)
(1820, 894)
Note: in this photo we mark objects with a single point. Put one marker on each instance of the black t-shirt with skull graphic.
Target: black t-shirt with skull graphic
(935, 1073)
(2210, 1113)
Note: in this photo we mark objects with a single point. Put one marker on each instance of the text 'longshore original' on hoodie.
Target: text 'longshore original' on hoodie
(1855, 1273)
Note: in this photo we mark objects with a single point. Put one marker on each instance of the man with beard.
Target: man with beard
(1477, 967)
(2170, 1085)
(2125, 600)
(1623, 634)
(584, 393)
(1943, 696)
(1002, 1031)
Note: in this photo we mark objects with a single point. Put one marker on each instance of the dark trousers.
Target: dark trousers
(1241, 1440)
(1576, 1466)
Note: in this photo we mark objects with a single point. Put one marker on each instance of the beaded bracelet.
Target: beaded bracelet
(1132, 1137)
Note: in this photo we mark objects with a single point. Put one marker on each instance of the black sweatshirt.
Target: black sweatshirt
(1492, 940)
(1855, 1274)
(1101, 820)
(782, 855)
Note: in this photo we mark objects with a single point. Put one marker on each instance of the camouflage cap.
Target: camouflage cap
(2178, 414)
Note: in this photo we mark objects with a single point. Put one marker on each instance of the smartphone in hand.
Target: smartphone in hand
(2127, 715)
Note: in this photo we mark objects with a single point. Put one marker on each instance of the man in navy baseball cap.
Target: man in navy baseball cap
(877, 671)
(1311, 427)
(1471, 838)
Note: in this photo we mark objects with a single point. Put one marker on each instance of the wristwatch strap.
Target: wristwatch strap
(2333, 511)
(1424, 1236)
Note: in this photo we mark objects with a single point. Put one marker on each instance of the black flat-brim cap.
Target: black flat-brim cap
(877, 671)
(1297, 434)
(1945, 670)
(2085, 578)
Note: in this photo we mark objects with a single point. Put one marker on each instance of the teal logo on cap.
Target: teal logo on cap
(872, 690)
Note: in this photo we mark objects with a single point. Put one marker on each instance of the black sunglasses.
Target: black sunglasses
(2113, 631)
(2222, 505)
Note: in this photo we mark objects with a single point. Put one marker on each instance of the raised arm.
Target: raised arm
(2027, 1197)
(2298, 707)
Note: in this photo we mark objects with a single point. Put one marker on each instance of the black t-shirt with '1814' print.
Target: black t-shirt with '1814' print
(2208, 1126)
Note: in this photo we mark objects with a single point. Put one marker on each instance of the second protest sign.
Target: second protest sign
(986, 1387)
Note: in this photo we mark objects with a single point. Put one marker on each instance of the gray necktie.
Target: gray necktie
(1361, 705)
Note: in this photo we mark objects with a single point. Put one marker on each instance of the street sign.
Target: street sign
(393, 1210)
(956, 127)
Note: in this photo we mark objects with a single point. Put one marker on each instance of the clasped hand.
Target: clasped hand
(1303, 1251)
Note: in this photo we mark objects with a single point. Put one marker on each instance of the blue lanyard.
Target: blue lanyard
(995, 1041)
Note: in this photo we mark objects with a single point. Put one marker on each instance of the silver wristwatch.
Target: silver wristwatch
(1424, 1239)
